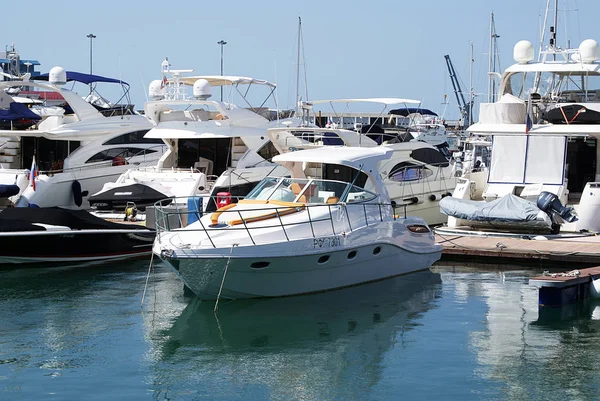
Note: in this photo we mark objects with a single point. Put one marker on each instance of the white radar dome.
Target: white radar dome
(156, 90)
(57, 76)
(202, 89)
(523, 52)
(589, 51)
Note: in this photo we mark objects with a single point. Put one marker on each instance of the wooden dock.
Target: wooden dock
(558, 289)
(584, 251)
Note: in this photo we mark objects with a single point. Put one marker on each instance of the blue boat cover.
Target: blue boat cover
(411, 110)
(17, 111)
(83, 78)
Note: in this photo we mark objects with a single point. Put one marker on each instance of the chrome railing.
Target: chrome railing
(171, 217)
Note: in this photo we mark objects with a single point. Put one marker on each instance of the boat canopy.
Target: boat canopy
(412, 110)
(382, 100)
(217, 80)
(17, 111)
(83, 78)
(344, 155)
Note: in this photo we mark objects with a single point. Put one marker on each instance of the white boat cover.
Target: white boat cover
(508, 110)
(509, 208)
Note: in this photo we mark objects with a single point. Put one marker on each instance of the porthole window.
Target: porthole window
(351, 255)
(323, 259)
(377, 250)
(259, 265)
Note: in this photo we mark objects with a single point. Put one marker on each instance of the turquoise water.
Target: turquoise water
(79, 333)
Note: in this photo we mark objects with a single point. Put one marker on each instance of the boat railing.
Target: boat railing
(340, 219)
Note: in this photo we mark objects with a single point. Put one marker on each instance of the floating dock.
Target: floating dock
(558, 289)
(583, 250)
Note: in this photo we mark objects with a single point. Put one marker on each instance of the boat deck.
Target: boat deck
(584, 250)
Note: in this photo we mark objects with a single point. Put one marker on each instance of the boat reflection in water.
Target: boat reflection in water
(306, 346)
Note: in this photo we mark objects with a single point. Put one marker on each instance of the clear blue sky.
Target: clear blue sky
(352, 48)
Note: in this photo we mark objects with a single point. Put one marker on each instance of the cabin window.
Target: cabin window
(268, 151)
(430, 156)
(406, 171)
(110, 154)
(132, 137)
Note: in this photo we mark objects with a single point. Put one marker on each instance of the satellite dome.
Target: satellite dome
(57, 76)
(589, 51)
(523, 52)
(202, 89)
(156, 91)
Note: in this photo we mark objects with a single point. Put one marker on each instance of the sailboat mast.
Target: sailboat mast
(471, 85)
(298, 65)
(555, 22)
(490, 66)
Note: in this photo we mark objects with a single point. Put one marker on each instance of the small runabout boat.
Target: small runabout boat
(330, 225)
(32, 235)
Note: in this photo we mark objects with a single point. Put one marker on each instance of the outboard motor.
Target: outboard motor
(549, 203)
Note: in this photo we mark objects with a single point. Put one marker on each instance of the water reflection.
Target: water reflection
(534, 353)
(308, 347)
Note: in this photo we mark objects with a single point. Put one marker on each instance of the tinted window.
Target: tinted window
(110, 154)
(132, 137)
(406, 171)
(268, 151)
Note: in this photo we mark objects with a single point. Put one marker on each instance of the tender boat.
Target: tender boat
(330, 225)
(32, 235)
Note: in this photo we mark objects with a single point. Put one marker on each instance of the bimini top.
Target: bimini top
(383, 100)
(217, 80)
(344, 155)
(83, 78)
(412, 110)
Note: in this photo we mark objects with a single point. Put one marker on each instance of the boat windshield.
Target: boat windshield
(309, 191)
(569, 87)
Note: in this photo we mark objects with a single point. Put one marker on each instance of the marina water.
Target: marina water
(457, 333)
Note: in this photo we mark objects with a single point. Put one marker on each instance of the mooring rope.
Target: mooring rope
(147, 278)
(223, 280)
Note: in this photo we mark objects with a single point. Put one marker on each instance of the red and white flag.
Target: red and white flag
(33, 173)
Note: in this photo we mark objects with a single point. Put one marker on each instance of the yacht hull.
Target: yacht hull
(74, 245)
(246, 276)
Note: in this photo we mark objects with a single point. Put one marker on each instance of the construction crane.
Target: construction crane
(464, 106)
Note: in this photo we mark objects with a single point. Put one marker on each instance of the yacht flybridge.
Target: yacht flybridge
(544, 173)
(78, 144)
(205, 137)
(314, 231)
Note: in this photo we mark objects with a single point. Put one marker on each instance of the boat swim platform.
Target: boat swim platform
(558, 289)
(555, 250)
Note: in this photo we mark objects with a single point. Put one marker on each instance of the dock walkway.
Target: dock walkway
(583, 250)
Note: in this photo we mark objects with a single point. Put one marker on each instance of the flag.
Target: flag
(529, 118)
(164, 82)
(33, 173)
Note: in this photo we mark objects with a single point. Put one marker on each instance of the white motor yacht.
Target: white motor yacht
(205, 137)
(330, 225)
(544, 171)
(78, 144)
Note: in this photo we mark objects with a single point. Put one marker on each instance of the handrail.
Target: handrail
(164, 213)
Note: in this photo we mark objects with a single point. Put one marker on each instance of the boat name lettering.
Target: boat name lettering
(327, 242)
